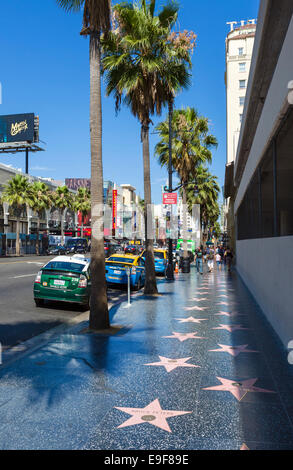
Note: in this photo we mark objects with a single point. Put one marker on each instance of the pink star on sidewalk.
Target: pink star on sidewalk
(184, 336)
(171, 364)
(201, 299)
(191, 320)
(189, 309)
(234, 350)
(244, 447)
(223, 303)
(152, 414)
(229, 314)
(238, 389)
(225, 296)
(230, 328)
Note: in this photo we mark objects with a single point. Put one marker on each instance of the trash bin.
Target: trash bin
(186, 265)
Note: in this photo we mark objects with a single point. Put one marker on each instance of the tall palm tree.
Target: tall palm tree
(39, 200)
(62, 199)
(141, 70)
(82, 204)
(96, 20)
(206, 194)
(15, 193)
(192, 145)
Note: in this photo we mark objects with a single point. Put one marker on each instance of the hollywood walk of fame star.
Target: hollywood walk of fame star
(196, 299)
(223, 303)
(238, 389)
(171, 364)
(224, 296)
(195, 308)
(230, 328)
(244, 447)
(184, 336)
(191, 320)
(152, 414)
(229, 314)
(234, 350)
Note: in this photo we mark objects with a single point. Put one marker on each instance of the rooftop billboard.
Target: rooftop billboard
(17, 128)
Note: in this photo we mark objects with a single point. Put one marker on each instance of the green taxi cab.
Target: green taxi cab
(65, 279)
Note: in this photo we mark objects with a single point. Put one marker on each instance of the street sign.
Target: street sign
(170, 198)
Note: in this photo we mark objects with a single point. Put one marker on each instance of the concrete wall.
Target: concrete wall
(266, 266)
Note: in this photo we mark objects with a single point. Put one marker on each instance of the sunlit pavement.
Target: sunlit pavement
(197, 367)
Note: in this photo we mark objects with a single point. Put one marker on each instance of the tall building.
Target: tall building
(260, 182)
(239, 48)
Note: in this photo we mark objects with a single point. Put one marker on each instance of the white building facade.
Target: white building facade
(261, 180)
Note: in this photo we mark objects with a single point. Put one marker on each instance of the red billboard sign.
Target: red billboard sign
(114, 209)
(169, 198)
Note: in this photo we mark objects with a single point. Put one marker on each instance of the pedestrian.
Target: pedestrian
(219, 261)
(210, 261)
(199, 260)
(228, 257)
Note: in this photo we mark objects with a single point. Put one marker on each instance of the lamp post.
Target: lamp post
(169, 269)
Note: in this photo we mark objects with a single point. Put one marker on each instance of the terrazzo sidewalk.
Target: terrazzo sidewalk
(196, 368)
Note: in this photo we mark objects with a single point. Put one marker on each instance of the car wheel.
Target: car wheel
(39, 302)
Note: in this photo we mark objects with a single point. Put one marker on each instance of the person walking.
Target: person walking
(219, 261)
(228, 257)
(210, 261)
(198, 260)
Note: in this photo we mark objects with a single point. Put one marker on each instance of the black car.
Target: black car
(77, 245)
(131, 249)
(56, 250)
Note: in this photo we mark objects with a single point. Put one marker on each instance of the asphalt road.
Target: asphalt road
(20, 319)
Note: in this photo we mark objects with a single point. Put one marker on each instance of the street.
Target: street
(20, 319)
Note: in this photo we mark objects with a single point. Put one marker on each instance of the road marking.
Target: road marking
(23, 275)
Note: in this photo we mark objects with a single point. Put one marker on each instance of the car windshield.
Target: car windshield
(116, 259)
(159, 255)
(61, 265)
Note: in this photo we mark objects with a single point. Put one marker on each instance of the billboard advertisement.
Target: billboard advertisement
(17, 128)
(75, 183)
(114, 209)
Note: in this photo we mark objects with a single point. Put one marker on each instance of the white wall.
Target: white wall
(266, 266)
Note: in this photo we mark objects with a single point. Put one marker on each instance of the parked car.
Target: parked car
(64, 278)
(56, 250)
(77, 245)
(161, 260)
(131, 249)
(111, 247)
(116, 270)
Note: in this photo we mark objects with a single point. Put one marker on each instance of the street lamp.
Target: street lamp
(169, 269)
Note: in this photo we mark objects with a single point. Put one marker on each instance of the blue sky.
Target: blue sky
(44, 69)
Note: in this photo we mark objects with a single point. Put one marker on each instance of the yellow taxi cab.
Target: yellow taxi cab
(161, 260)
(116, 270)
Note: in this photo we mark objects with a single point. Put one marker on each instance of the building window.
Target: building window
(242, 84)
(241, 118)
(242, 67)
(267, 194)
(241, 100)
(241, 51)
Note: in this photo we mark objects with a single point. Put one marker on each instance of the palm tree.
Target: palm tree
(82, 204)
(15, 193)
(96, 19)
(191, 146)
(206, 194)
(39, 200)
(62, 200)
(141, 70)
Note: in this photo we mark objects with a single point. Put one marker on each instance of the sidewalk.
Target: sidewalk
(197, 367)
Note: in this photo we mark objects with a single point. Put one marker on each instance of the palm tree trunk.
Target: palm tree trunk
(17, 241)
(38, 236)
(185, 251)
(150, 287)
(99, 314)
(62, 227)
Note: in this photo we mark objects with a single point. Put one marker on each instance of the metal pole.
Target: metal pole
(169, 269)
(26, 161)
